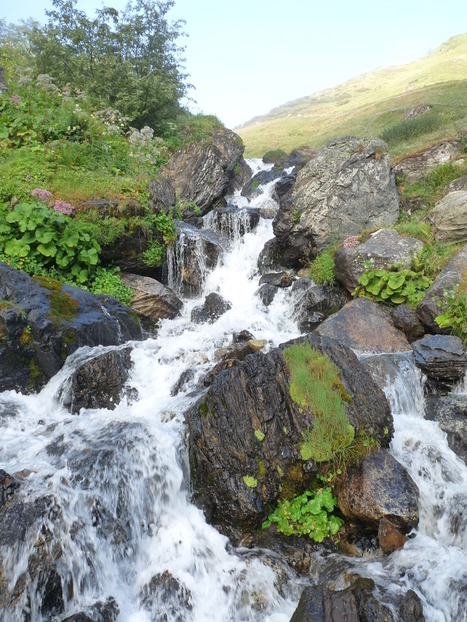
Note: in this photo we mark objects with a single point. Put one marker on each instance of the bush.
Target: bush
(412, 128)
(322, 269)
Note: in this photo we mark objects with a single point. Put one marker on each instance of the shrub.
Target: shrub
(309, 514)
(393, 286)
(322, 269)
(317, 388)
(454, 316)
(412, 128)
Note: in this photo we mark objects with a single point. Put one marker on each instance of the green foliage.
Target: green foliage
(250, 481)
(454, 306)
(393, 286)
(410, 129)
(309, 514)
(107, 281)
(431, 185)
(322, 268)
(259, 435)
(36, 232)
(317, 388)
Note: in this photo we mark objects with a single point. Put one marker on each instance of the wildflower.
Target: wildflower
(63, 207)
(16, 99)
(351, 242)
(42, 195)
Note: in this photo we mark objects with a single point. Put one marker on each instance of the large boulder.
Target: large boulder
(416, 165)
(348, 186)
(98, 382)
(383, 248)
(451, 275)
(199, 173)
(246, 432)
(450, 412)
(449, 217)
(379, 487)
(43, 321)
(442, 358)
(151, 300)
(365, 326)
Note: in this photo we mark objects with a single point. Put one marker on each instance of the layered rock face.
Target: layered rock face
(348, 186)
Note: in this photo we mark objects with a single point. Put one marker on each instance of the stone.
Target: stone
(379, 487)
(43, 321)
(98, 382)
(406, 320)
(414, 166)
(232, 221)
(451, 414)
(314, 303)
(101, 611)
(151, 300)
(383, 248)
(449, 218)
(253, 395)
(390, 536)
(365, 326)
(348, 186)
(432, 304)
(214, 306)
(442, 358)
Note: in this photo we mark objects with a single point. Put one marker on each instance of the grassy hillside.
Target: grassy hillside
(375, 104)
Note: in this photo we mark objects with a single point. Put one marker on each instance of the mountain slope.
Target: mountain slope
(371, 104)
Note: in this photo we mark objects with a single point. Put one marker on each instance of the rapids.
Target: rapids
(119, 481)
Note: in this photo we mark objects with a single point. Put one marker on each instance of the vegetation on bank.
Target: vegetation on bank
(75, 126)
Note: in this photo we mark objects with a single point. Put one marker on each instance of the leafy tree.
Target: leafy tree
(131, 60)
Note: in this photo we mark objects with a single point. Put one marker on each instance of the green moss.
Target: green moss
(63, 307)
(36, 376)
(203, 409)
(26, 337)
(262, 470)
(318, 390)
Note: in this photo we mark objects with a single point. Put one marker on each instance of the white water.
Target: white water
(121, 480)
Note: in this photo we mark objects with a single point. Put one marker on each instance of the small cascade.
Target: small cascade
(232, 222)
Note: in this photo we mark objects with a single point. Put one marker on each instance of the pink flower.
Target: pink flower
(351, 242)
(42, 195)
(16, 99)
(63, 207)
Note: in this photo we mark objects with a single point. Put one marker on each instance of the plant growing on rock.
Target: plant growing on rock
(309, 514)
(318, 390)
(322, 268)
(454, 316)
(393, 286)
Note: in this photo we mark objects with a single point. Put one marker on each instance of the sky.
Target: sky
(246, 57)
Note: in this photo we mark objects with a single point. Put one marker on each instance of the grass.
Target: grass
(373, 104)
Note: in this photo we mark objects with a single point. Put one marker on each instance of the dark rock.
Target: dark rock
(162, 195)
(199, 173)
(451, 414)
(232, 221)
(267, 293)
(185, 377)
(314, 303)
(432, 304)
(253, 396)
(193, 255)
(8, 486)
(151, 300)
(284, 184)
(348, 186)
(442, 358)
(278, 279)
(243, 335)
(379, 487)
(270, 257)
(357, 603)
(42, 322)
(98, 382)
(214, 306)
(251, 188)
(167, 598)
(365, 326)
(101, 611)
(383, 248)
(406, 320)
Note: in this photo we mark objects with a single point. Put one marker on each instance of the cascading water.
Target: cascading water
(112, 488)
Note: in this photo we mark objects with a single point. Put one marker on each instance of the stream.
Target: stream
(119, 480)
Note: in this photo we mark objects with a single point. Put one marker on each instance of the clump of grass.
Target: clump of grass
(317, 388)
(322, 268)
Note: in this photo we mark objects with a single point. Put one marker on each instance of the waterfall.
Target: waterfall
(113, 488)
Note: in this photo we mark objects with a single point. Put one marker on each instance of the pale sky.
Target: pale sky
(246, 57)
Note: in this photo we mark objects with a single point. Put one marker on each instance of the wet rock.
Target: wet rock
(99, 382)
(365, 326)
(243, 335)
(167, 598)
(406, 320)
(357, 603)
(270, 258)
(314, 303)
(267, 293)
(101, 611)
(390, 536)
(432, 304)
(442, 358)
(449, 217)
(348, 186)
(214, 306)
(248, 426)
(43, 321)
(451, 414)
(151, 300)
(8, 486)
(251, 188)
(232, 221)
(357, 541)
(278, 279)
(382, 249)
(379, 487)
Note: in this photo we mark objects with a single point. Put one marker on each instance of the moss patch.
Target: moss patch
(63, 307)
